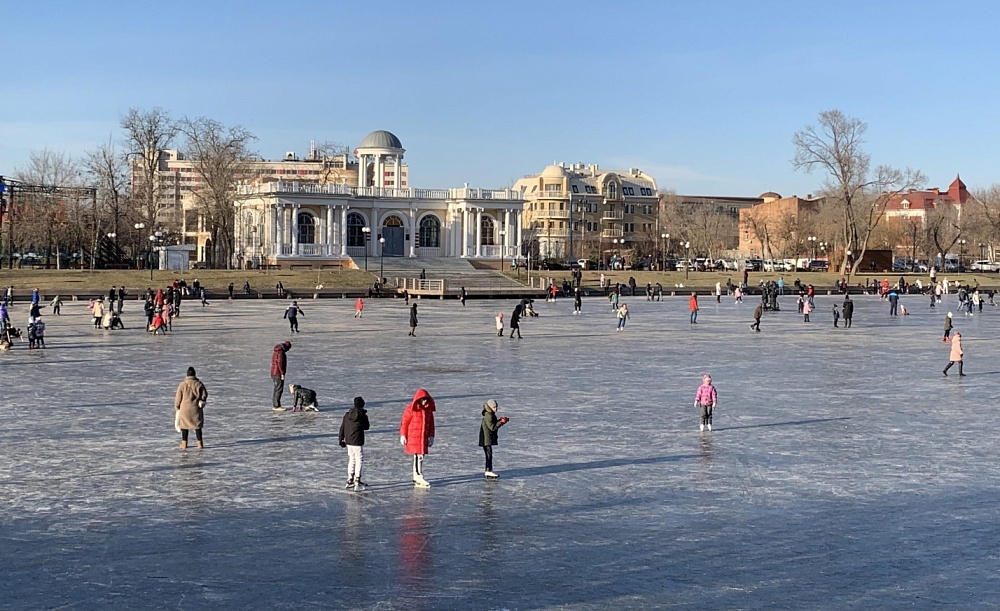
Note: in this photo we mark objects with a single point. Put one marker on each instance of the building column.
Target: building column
(361, 171)
(399, 169)
(295, 230)
(507, 233)
(373, 225)
(279, 240)
(329, 230)
(343, 231)
(517, 245)
(465, 233)
(414, 230)
(479, 233)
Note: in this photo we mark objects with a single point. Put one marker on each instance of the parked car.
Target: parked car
(819, 265)
(985, 266)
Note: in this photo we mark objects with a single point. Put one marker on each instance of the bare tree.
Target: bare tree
(942, 227)
(107, 169)
(219, 155)
(835, 147)
(47, 212)
(147, 134)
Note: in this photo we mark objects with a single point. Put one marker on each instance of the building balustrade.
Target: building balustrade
(612, 233)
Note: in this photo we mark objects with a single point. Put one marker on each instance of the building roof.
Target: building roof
(380, 139)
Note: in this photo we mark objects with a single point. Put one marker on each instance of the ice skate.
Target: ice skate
(491, 475)
(701, 427)
(360, 486)
(420, 482)
(709, 425)
(350, 484)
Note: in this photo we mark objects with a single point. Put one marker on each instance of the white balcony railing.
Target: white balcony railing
(612, 233)
(312, 250)
(613, 215)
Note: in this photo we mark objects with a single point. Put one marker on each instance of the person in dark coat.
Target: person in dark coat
(757, 313)
(515, 318)
(848, 310)
(461, 295)
(413, 320)
(189, 406)
(279, 363)
(352, 437)
(292, 314)
(488, 434)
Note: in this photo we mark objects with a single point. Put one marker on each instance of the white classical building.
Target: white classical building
(302, 224)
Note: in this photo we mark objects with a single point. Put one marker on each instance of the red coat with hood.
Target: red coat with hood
(418, 423)
(278, 359)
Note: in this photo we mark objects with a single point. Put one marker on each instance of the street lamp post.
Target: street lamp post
(961, 254)
(687, 266)
(665, 248)
(368, 237)
(812, 241)
(111, 236)
(503, 251)
(138, 227)
(381, 256)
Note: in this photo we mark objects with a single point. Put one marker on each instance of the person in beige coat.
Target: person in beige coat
(189, 406)
(957, 355)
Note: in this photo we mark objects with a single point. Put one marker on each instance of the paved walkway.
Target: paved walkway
(844, 473)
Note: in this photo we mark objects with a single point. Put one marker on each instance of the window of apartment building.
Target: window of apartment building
(647, 226)
(551, 224)
(575, 190)
(629, 227)
(553, 188)
(552, 206)
(612, 191)
(628, 208)
(647, 209)
(628, 190)
(562, 206)
(562, 225)
(592, 226)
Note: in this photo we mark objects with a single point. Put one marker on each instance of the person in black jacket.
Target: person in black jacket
(413, 320)
(303, 398)
(848, 310)
(515, 320)
(488, 434)
(352, 437)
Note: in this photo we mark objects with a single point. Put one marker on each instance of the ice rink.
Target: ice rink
(844, 471)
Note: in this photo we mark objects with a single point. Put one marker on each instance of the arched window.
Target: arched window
(355, 237)
(430, 232)
(307, 228)
(393, 221)
(486, 227)
(612, 191)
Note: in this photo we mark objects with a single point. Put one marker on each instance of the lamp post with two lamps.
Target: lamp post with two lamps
(961, 253)
(850, 265)
(138, 227)
(812, 241)
(154, 246)
(368, 238)
(111, 236)
(687, 266)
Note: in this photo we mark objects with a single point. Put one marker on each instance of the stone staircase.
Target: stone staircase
(455, 272)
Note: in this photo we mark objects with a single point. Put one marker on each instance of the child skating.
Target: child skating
(303, 399)
(359, 307)
(499, 320)
(622, 317)
(352, 437)
(488, 434)
(705, 399)
(806, 309)
(836, 316)
(416, 433)
(947, 328)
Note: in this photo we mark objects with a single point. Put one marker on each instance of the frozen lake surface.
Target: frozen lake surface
(844, 472)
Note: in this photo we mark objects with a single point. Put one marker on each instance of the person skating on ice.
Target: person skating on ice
(413, 321)
(499, 321)
(292, 314)
(947, 328)
(957, 355)
(352, 437)
(189, 406)
(836, 316)
(303, 398)
(416, 433)
(757, 313)
(622, 317)
(56, 305)
(705, 400)
(806, 309)
(488, 434)
(848, 311)
(577, 301)
(515, 320)
(693, 307)
(279, 364)
(359, 307)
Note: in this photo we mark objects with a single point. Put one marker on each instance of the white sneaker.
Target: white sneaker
(701, 427)
(491, 475)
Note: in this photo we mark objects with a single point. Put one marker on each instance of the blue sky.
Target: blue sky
(705, 96)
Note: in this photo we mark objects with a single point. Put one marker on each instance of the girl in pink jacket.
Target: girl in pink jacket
(705, 399)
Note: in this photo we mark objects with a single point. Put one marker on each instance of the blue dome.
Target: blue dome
(380, 139)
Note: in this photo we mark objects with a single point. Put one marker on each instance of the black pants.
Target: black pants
(279, 387)
(488, 450)
(293, 324)
(756, 324)
(706, 414)
(184, 434)
(960, 365)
